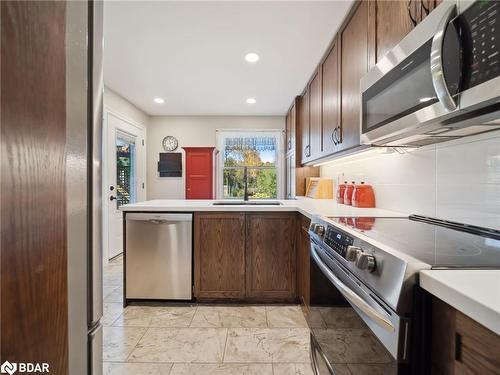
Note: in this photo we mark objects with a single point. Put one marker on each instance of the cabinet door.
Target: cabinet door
(293, 125)
(393, 23)
(354, 42)
(288, 132)
(290, 176)
(270, 250)
(331, 115)
(303, 259)
(304, 127)
(315, 116)
(219, 258)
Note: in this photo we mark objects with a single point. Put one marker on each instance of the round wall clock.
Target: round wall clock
(170, 143)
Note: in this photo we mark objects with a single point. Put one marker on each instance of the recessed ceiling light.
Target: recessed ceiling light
(159, 100)
(251, 101)
(252, 57)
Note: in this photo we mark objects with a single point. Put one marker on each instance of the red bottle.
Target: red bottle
(340, 192)
(363, 196)
(348, 193)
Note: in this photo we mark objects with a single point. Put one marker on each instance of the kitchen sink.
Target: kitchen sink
(247, 203)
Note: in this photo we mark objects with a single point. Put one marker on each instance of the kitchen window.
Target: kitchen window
(253, 157)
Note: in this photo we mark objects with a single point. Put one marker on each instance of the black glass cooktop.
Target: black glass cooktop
(441, 244)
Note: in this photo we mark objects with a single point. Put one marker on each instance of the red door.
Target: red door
(199, 172)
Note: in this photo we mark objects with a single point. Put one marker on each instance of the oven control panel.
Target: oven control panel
(337, 240)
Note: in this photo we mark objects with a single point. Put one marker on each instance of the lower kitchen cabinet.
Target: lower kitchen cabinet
(245, 256)
(303, 261)
(460, 345)
(219, 255)
(270, 254)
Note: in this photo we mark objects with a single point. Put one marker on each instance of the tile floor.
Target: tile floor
(200, 339)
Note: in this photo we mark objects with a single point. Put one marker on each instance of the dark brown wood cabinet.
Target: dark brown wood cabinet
(295, 173)
(330, 106)
(219, 255)
(355, 62)
(291, 124)
(245, 256)
(395, 19)
(331, 126)
(305, 149)
(303, 261)
(270, 255)
(393, 22)
(315, 116)
(460, 345)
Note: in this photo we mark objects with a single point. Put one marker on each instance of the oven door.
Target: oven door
(416, 84)
(358, 333)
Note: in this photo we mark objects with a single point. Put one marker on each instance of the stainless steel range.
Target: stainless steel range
(364, 305)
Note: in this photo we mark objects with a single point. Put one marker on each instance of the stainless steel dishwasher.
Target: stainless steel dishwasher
(158, 256)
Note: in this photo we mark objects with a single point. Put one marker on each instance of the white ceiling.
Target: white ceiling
(192, 53)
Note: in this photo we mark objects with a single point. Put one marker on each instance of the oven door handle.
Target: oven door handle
(351, 296)
(437, 70)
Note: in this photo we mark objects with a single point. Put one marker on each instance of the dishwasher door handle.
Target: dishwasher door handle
(158, 218)
(156, 221)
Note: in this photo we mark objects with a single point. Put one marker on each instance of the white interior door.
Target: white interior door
(125, 177)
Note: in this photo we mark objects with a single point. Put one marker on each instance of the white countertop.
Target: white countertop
(306, 206)
(476, 293)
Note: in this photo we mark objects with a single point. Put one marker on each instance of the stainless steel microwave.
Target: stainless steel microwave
(441, 82)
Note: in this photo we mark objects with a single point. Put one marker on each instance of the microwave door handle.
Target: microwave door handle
(351, 296)
(437, 71)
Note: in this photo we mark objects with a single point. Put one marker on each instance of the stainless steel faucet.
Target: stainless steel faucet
(245, 179)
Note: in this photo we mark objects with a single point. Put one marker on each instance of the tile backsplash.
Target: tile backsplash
(458, 180)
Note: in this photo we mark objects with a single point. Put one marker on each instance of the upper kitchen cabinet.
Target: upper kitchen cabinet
(315, 117)
(355, 61)
(305, 149)
(291, 128)
(331, 129)
(395, 19)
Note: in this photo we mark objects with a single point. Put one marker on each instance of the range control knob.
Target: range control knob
(352, 253)
(319, 229)
(366, 261)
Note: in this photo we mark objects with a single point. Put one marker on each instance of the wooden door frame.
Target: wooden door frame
(141, 129)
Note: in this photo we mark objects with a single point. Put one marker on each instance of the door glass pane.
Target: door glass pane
(125, 171)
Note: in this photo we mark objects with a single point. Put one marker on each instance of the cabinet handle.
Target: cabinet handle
(337, 135)
(289, 145)
(424, 8)
(458, 347)
(413, 19)
(334, 136)
(308, 150)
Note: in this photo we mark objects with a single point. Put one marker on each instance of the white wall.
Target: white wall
(118, 104)
(458, 180)
(192, 131)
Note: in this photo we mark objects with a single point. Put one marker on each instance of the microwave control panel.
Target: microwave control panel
(482, 19)
(337, 240)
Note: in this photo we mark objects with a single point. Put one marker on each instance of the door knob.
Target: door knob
(111, 198)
